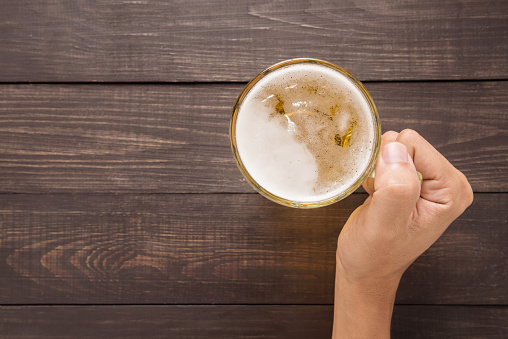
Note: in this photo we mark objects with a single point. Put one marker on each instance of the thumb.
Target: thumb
(396, 186)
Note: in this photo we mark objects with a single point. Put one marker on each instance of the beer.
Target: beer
(305, 133)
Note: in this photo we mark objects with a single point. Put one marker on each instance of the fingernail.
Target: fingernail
(395, 152)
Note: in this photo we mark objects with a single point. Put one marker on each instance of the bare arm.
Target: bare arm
(399, 221)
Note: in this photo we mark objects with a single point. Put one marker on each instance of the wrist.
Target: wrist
(363, 309)
(377, 286)
(379, 293)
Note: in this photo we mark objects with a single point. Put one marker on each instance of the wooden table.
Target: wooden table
(122, 213)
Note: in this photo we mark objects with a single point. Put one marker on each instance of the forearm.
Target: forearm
(363, 310)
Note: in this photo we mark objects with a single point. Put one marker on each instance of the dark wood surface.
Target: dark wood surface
(175, 138)
(233, 40)
(223, 249)
(246, 321)
(123, 215)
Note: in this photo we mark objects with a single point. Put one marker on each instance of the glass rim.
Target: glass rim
(297, 204)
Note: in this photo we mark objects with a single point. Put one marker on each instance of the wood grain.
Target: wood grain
(174, 138)
(94, 247)
(226, 321)
(222, 248)
(449, 322)
(234, 40)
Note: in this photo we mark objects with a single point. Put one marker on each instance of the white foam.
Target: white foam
(272, 157)
(283, 165)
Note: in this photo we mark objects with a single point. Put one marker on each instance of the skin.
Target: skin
(397, 222)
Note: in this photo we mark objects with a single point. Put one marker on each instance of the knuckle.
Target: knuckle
(390, 134)
(408, 135)
(459, 194)
(466, 190)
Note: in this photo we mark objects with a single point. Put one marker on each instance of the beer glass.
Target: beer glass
(305, 133)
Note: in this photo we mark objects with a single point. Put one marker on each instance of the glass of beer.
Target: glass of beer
(305, 133)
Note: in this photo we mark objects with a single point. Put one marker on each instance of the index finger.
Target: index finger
(428, 161)
(442, 183)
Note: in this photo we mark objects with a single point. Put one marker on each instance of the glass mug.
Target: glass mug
(305, 133)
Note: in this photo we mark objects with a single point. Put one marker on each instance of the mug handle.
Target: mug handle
(420, 177)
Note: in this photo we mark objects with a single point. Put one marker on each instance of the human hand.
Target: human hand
(399, 220)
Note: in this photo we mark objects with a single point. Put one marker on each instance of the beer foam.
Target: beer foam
(305, 133)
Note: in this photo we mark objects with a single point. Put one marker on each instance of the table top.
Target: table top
(123, 214)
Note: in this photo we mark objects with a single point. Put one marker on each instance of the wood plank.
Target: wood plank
(174, 138)
(449, 322)
(234, 40)
(226, 321)
(222, 248)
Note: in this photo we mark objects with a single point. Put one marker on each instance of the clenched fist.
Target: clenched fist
(399, 220)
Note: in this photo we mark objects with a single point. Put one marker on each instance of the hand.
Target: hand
(399, 220)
